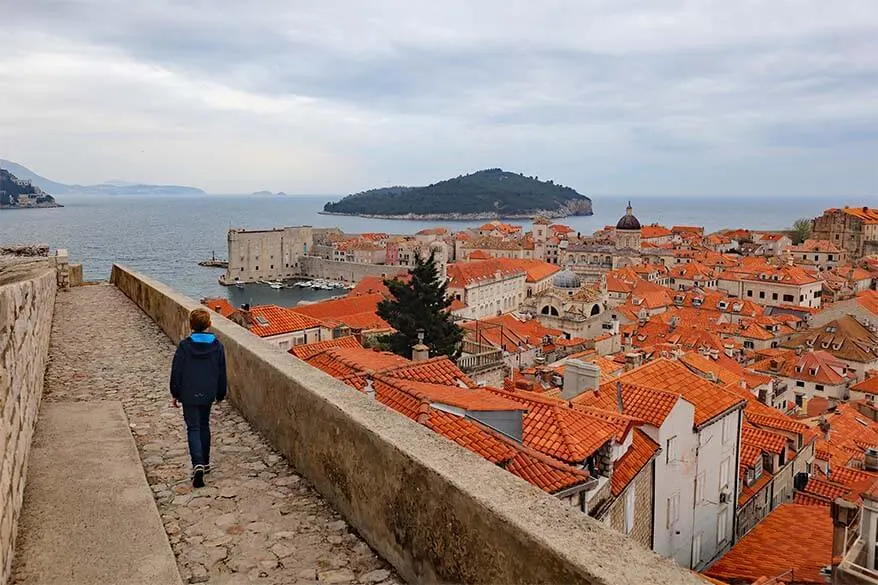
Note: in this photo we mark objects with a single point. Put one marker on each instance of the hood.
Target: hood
(201, 344)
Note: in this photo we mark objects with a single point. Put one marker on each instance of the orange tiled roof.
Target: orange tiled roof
(813, 366)
(304, 352)
(749, 491)
(270, 320)
(647, 404)
(641, 452)
(809, 500)
(439, 370)
(793, 536)
(338, 308)
(221, 306)
(709, 399)
(553, 428)
(868, 300)
(869, 385)
(825, 489)
(761, 439)
(340, 362)
(849, 477)
(750, 454)
(552, 476)
(461, 274)
(467, 434)
(536, 270)
(475, 399)
(375, 284)
(867, 214)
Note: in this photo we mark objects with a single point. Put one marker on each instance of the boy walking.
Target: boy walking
(198, 378)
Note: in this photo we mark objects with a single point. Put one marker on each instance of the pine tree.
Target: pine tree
(421, 303)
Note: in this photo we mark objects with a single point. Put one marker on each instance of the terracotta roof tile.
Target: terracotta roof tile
(474, 399)
(809, 500)
(340, 362)
(626, 468)
(270, 320)
(793, 536)
(649, 405)
(221, 306)
(549, 475)
(763, 440)
(553, 428)
(467, 434)
(825, 489)
(709, 399)
(303, 352)
(749, 491)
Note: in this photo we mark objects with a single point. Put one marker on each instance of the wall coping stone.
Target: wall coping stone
(436, 511)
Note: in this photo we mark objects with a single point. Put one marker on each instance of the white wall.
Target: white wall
(675, 477)
(713, 453)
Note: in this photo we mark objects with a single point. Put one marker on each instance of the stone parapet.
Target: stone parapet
(26, 309)
(434, 510)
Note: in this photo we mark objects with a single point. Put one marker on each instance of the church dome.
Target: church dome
(567, 279)
(628, 221)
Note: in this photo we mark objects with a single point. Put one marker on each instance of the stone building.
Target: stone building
(571, 305)
(854, 229)
(266, 254)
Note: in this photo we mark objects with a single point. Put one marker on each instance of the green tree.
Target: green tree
(801, 230)
(421, 303)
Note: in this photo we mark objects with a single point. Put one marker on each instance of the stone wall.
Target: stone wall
(436, 511)
(316, 267)
(26, 308)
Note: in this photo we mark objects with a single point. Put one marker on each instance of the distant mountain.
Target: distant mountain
(17, 193)
(491, 193)
(109, 188)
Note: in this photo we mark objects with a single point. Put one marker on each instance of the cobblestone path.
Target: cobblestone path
(256, 521)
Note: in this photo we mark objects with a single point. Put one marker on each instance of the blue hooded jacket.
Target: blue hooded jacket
(198, 373)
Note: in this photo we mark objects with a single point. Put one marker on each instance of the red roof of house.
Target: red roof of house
(793, 536)
(869, 385)
(221, 306)
(709, 399)
(304, 352)
(461, 274)
(357, 312)
(270, 320)
(647, 404)
(553, 428)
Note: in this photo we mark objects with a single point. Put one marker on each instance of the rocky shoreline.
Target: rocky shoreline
(34, 206)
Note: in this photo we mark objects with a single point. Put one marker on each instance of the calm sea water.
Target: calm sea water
(165, 237)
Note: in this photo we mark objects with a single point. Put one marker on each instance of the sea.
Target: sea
(165, 237)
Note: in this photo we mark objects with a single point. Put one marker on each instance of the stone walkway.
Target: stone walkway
(256, 521)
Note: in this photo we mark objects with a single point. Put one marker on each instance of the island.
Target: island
(18, 193)
(486, 194)
(268, 194)
(109, 188)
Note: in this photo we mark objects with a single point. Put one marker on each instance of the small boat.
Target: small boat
(276, 285)
(239, 284)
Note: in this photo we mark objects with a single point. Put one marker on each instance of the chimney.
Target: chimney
(579, 377)
(420, 352)
(825, 427)
(633, 360)
(798, 350)
(620, 403)
(369, 390)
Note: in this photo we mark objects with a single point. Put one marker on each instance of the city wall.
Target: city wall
(27, 303)
(316, 267)
(434, 510)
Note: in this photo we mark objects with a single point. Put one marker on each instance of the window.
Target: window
(749, 293)
(724, 473)
(748, 345)
(272, 267)
(673, 510)
(800, 399)
(816, 257)
(257, 268)
(819, 387)
(800, 384)
(721, 527)
(830, 257)
(788, 298)
(696, 550)
(699, 488)
(727, 429)
(762, 294)
(629, 510)
(671, 451)
(773, 296)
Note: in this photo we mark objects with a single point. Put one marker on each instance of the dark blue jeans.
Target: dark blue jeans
(197, 419)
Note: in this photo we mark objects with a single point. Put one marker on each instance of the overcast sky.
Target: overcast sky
(644, 97)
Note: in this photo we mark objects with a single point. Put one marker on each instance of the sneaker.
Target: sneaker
(207, 469)
(198, 476)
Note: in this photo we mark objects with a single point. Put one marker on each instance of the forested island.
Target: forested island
(18, 193)
(487, 194)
